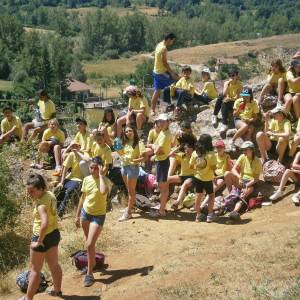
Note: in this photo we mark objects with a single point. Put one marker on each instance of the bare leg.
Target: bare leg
(249, 134)
(198, 200)
(231, 180)
(281, 147)
(26, 128)
(242, 128)
(281, 89)
(120, 123)
(296, 105)
(264, 144)
(266, 90)
(173, 166)
(131, 185)
(295, 144)
(183, 190)
(164, 193)
(288, 101)
(55, 269)
(287, 174)
(140, 120)
(154, 99)
(57, 155)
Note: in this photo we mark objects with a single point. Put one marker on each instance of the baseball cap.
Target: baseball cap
(247, 145)
(205, 70)
(278, 109)
(247, 92)
(219, 144)
(162, 117)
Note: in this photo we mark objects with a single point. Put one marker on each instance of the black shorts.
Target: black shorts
(51, 240)
(273, 148)
(162, 169)
(184, 178)
(201, 186)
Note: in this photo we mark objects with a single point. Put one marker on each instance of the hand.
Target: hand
(60, 185)
(77, 222)
(14, 128)
(101, 173)
(36, 244)
(269, 133)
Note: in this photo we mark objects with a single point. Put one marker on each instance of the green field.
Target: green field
(5, 85)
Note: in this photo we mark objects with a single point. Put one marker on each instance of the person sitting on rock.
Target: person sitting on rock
(209, 91)
(245, 111)
(52, 142)
(183, 90)
(82, 141)
(292, 98)
(43, 113)
(292, 173)
(108, 126)
(231, 92)
(275, 137)
(296, 141)
(186, 173)
(138, 107)
(11, 127)
(276, 82)
(244, 175)
(185, 130)
(204, 162)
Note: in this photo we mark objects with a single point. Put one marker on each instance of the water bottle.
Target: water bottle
(118, 144)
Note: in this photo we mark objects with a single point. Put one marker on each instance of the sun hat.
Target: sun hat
(278, 109)
(219, 144)
(247, 145)
(162, 117)
(247, 92)
(205, 70)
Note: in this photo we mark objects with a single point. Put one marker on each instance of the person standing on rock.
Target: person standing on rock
(163, 75)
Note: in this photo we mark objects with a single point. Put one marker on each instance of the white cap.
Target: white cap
(278, 109)
(247, 145)
(162, 117)
(206, 70)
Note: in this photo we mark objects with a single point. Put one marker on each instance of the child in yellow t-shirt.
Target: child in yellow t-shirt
(52, 142)
(11, 127)
(292, 98)
(231, 92)
(183, 90)
(244, 175)
(204, 162)
(276, 81)
(296, 141)
(209, 91)
(245, 111)
(138, 111)
(108, 126)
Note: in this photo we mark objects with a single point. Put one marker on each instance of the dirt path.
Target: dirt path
(176, 258)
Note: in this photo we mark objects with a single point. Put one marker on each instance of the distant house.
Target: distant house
(226, 61)
(78, 90)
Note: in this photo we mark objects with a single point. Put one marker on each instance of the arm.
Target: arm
(235, 171)
(225, 88)
(103, 188)
(165, 61)
(44, 224)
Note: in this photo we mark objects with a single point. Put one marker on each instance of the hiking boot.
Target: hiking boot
(125, 217)
(296, 199)
(88, 280)
(214, 120)
(234, 215)
(200, 218)
(211, 218)
(278, 194)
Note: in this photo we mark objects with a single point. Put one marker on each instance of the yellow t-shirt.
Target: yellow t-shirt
(293, 87)
(84, 140)
(152, 136)
(276, 127)
(249, 169)
(128, 153)
(139, 103)
(207, 173)
(8, 125)
(210, 90)
(186, 84)
(72, 162)
(159, 67)
(274, 77)
(47, 109)
(58, 134)
(234, 90)
(164, 140)
(103, 152)
(94, 202)
(184, 161)
(222, 164)
(250, 110)
(48, 199)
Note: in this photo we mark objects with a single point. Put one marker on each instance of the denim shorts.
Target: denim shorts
(131, 172)
(99, 220)
(50, 240)
(161, 81)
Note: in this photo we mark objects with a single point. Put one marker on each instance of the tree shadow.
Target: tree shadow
(226, 221)
(177, 215)
(14, 250)
(118, 274)
(75, 297)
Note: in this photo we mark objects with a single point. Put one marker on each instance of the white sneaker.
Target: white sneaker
(232, 147)
(126, 216)
(296, 199)
(276, 195)
(214, 120)
(223, 128)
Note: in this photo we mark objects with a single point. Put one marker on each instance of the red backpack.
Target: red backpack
(80, 259)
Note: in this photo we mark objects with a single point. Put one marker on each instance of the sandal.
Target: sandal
(54, 293)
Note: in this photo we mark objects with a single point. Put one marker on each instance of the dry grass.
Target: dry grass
(113, 67)
(201, 54)
(39, 30)
(5, 85)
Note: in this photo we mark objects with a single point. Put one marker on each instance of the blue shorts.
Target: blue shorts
(162, 169)
(131, 172)
(161, 81)
(99, 220)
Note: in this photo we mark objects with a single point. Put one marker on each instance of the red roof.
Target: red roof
(77, 86)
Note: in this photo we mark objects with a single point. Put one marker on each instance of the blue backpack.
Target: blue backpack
(22, 281)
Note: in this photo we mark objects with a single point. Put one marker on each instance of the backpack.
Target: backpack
(255, 202)
(232, 199)
(142, 201)
(150, 183)
(80, 259)
(22, 282)
(273, 171)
